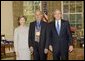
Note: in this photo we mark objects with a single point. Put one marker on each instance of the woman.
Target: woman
(21, 40)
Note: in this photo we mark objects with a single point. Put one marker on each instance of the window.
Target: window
(29, 8)
(73, 12)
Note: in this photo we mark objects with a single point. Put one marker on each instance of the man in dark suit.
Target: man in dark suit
(37, 37)
(59, 38)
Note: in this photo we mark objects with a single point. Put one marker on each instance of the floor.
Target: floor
(77, 54)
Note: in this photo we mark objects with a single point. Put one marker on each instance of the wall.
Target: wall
(17, 11)
(7, 19)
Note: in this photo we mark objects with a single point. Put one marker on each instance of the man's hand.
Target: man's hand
(70, 48)
(45, 50)
(31, 49)
(50, 48)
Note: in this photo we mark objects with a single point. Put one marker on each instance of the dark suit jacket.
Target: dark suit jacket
(59, 42)
(42, 35)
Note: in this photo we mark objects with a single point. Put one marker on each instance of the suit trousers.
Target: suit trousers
(38, 54)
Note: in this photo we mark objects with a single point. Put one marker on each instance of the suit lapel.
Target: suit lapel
(41, 27)
(61, 28)
(54, 27)
(34, 28)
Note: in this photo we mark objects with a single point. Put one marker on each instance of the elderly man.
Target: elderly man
(37, 36)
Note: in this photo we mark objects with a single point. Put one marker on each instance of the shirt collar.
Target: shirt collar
(58, 20)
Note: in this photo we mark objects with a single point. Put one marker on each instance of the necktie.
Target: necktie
(38, 26)
(58, 28)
